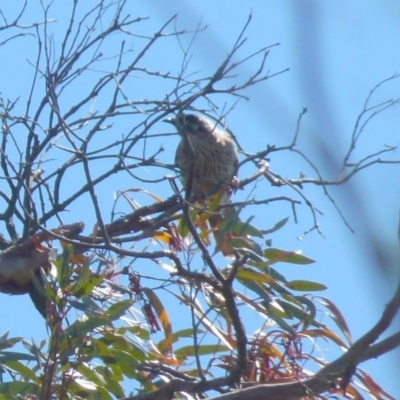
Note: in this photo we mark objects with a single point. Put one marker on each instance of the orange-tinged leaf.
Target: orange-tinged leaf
(324, 332)
(337, 317)
(79, 259)
(163, 237)
(64, 245)
(201, 222)
(37, 245)
(268, 349)
(375, 389)
(161, 314)
(351, 392)
(224, 246)
(168, 360)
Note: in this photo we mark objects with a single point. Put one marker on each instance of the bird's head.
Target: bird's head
(190, 124)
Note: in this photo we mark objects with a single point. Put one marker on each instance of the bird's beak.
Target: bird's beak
(170, 120)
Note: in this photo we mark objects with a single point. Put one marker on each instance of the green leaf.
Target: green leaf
(125, 357)
(6, 343)
(64, 267)
(137, 331)
(35, 350)
(86, 385)
(249, 274)
(232, 223)
(246, 229)
(124, 343)
(245, 273)
(80, 328)
(311, 310)
(90, 374)
(109, 359)
(292, 309)
(277, 255)
(276, 275)
(80, 388)
(21, 369)
(190, 351)
(254, 286)
(86, 282)
(277, 226)
(117, 310)
(277, 314)
(267, 269)
(111, 383)
(273, 309)
(87, 305)
(250, 247)
(20, 388)
(184, 333)
(305, 286)
(6, 356)
(293, 306)
(183, 228)
(100, 350)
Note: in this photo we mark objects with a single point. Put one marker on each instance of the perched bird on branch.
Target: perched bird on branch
(206, 155)
(19, 266)
(21, 263)
(207, 158)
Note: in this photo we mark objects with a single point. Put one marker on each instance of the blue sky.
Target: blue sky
(336, 53)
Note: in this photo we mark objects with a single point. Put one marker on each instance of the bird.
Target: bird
(206, 155)
(19, 266)
(208, 160)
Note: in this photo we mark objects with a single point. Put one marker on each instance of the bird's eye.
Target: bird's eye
(192, 124)
(181, 120)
